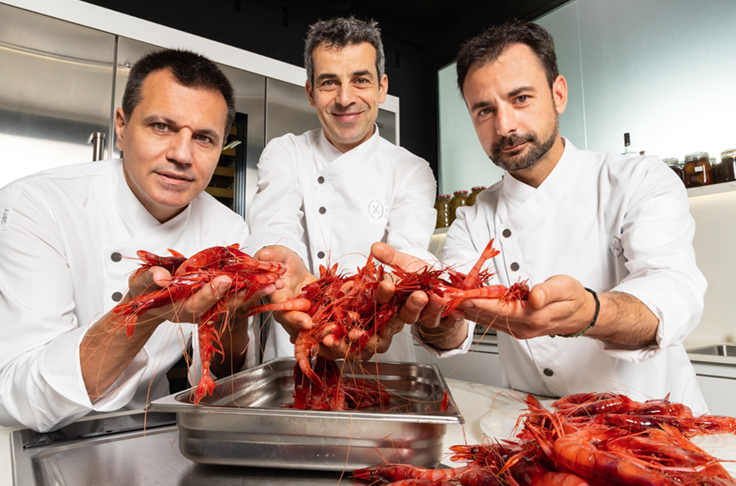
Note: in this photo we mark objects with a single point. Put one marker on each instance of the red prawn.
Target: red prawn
(191, 275)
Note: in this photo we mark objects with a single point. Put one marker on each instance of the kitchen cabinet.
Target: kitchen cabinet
(717, 381)
(480, 365)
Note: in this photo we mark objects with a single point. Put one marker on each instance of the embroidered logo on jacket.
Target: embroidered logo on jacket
(376, 209)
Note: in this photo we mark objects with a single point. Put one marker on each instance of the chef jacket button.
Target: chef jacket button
(322, 210)
(514, 267)
(117, 296)
(506, 233)
(321, 179)
(548, 372)
(116, 257)
(321, 254)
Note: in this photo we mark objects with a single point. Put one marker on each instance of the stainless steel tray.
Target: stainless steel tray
(244, 422)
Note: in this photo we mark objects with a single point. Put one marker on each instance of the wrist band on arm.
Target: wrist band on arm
(595, 318)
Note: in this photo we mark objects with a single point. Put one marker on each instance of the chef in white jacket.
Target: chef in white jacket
(330, 193)
(604, 241)
(68, 242)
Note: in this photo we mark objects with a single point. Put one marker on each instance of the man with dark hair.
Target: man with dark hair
(66, 241)
(330, 193)
(604, 241)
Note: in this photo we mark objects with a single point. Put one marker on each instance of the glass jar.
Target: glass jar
(697, 170)
(674, 164)
(459, 199)
(474, 193)
(443, 210)
(728, 165)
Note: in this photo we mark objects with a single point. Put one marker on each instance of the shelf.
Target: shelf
(220, 192)
(224, 171)
(711, 189)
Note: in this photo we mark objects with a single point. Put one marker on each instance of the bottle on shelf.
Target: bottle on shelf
(459, 199)
(697, 170)
(443, 210)
(628, 150)
(474, 193)
(728, 165)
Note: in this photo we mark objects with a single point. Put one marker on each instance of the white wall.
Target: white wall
(463, 163)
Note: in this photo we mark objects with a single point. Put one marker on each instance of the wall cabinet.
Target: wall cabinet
(718, 383)
(480, 365)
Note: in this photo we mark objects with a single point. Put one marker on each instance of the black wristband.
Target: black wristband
(595, 318)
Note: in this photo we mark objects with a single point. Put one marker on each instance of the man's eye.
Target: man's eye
(160, 126)
(522, 98)
(204, 139)
(362, 81)
(485, 112)
(328, 84)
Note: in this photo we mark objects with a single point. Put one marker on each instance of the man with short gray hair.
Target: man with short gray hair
(330, 193)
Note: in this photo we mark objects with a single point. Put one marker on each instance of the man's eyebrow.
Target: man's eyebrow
(324, 76)
(480, 104)
(520, 90)
(364, 72)
(213, 134)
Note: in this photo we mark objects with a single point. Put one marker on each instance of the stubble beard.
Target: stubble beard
(509, 160)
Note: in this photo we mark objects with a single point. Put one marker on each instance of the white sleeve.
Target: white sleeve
(276, 213)
(412, 218)
(41, 384)
(657, 242)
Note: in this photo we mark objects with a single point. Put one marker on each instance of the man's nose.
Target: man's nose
(345, 95)
(506, 122)
(180, 147)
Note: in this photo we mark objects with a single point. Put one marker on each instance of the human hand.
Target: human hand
(560, 305)
(420, 309)
(295, 278)
(158, 289)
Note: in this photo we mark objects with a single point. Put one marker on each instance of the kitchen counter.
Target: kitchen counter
(474, 401)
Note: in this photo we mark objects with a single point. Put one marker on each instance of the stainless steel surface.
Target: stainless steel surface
(244, 422)
(55, 89)
(138, 458)
(716, 350)
(97, 139)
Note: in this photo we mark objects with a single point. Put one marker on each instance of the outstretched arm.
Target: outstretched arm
(562, 306)
(106, 351)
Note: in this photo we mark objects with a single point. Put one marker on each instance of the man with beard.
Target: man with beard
(604, 241)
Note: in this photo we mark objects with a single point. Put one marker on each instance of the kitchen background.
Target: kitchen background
(658, 69)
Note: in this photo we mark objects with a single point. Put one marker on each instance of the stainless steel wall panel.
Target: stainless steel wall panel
(55, 90)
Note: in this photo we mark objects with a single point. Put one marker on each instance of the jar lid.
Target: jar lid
(696, 156)
(479, 188)
(460, 192)
(728, 153)
(671, 161)
(445, 195)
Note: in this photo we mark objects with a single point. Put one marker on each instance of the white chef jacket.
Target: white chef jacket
(61, 232)
(330, 207)
(615, 224)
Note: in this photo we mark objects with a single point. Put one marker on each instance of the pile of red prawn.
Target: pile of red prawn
(189, 276)
(589, 439)
(336, 302)
(340, 303)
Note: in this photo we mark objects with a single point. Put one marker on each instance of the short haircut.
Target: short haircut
(190, 69)
(486, 47)
(341, 32)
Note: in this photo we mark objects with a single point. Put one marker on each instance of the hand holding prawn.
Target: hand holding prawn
(559, 305)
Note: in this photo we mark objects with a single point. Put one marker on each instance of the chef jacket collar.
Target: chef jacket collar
(331, 153)
(134, 214)
(519, 192)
